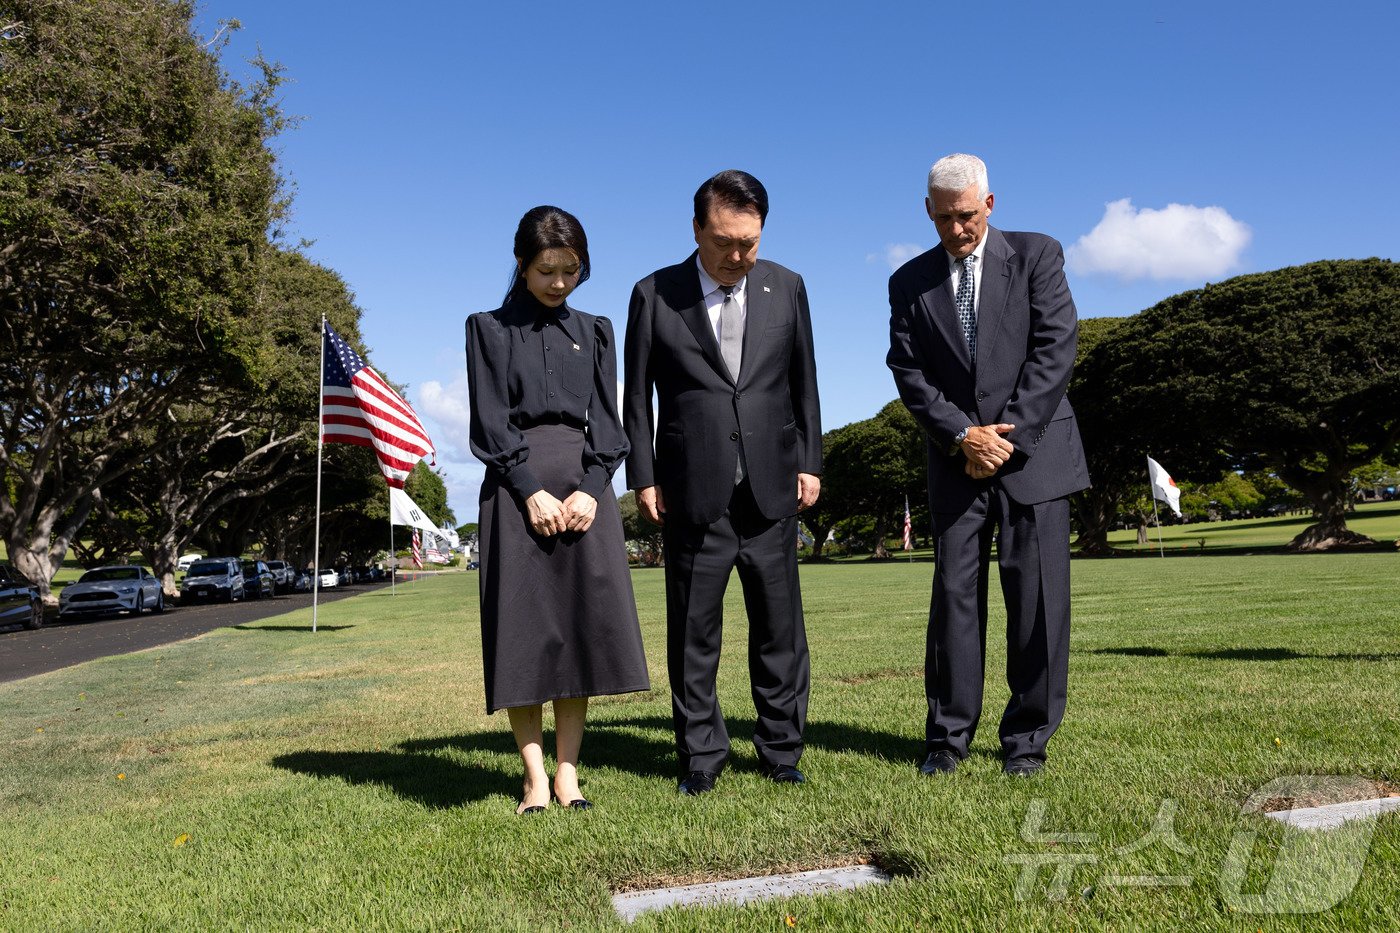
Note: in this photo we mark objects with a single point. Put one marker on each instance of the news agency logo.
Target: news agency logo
(1266, 869)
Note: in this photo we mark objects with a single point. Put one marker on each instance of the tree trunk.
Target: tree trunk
(1094, 508)
(1330, 495)
(38, 554)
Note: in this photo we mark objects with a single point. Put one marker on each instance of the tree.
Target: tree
(637, 529)
(1293, 371)
(871, 467)
(135, 204)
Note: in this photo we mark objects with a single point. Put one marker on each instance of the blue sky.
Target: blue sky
(427, 130)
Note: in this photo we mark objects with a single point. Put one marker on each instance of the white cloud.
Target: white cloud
(896, 254)
(1180, 241)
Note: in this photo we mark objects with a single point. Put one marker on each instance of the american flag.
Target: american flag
(417, 550)
(908, 527)
(359, 407)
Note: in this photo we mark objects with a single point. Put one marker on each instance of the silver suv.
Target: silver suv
(213, 578)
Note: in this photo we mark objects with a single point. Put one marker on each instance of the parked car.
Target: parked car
(328, 577)
(213, 578)
(346, 576)
(19, 601)
(258, 581)
(283, 575)
(118, 588)
(183, 564)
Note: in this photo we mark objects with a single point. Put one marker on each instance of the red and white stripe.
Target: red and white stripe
(371, 414)
(417, 551)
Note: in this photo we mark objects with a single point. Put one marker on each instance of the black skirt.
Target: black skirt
(558, 618)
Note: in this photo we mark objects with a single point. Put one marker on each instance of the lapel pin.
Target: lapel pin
(575, 346)
(767, 289)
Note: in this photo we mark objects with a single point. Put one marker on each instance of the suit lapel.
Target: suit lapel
(996, 285)
(937, 299)
(698, 319)
(758, 306)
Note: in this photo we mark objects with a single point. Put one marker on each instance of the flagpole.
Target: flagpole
(1152, 491)
(393, 563)
(320, 429)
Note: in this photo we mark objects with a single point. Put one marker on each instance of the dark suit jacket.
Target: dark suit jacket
(701, 413)
(1027, 332)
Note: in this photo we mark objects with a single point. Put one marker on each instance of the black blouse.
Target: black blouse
(528, 364)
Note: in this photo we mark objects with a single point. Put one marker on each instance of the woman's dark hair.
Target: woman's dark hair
(734, 189)
(543, 228)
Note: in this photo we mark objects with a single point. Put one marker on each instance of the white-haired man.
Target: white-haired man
(982, 342)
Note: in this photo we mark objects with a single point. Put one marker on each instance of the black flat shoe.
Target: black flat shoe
(786, 774)
(529, 810)
(579, 803)
(696, 783)
(939, 762)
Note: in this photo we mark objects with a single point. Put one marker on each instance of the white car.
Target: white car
(329, 578)
(112, 589)
(185, 560)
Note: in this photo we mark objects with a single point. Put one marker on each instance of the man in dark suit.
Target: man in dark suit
(725, 339)
(982, 342)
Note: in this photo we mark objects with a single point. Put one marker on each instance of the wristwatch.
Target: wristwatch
(957, 440)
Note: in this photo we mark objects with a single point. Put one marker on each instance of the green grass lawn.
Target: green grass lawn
(266, 778)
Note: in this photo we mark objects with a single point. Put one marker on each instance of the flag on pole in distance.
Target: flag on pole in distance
(908, 527)
(359, 407)
(417, 551)
(1163, 486)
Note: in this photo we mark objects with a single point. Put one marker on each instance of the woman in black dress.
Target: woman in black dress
(558, 620)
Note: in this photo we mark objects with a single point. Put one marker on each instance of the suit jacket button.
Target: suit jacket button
(981, 396)
(734, 436)
(738, 395)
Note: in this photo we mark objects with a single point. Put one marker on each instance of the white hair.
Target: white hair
(956, 172)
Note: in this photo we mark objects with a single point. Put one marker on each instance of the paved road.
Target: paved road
(24, 653)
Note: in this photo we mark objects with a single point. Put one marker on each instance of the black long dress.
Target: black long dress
(558, 618)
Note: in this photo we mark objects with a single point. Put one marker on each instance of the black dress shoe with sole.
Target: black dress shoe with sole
(580, 803)
(1021, 767)
(939, 762)
(696, 783)
(786, 774)
(528, 810)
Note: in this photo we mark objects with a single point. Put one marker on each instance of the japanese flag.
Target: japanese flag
(1163, 486)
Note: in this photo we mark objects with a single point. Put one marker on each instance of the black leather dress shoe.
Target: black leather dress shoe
(696, 783)
(1021, 767)
(939, 762)
(786, 774)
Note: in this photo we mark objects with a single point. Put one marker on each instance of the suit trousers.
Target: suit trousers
(699, 561)
(1033, 559)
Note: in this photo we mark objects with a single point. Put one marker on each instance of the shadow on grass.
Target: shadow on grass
(289, 628)
(417, 770)
(432, 780)
(828, 736)
(1248, 654)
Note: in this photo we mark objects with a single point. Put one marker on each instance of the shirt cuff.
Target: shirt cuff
(520, 479)
(595, 480)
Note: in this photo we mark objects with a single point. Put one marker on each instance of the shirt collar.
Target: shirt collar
(709, 286)
(979, 252)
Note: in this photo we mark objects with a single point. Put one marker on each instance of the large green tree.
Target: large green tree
(136, 200)
(1293, 371)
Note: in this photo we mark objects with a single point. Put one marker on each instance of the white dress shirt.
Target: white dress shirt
(714, 299)
(955, 277)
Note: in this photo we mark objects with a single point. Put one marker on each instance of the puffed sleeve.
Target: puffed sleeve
(605, 445)
(498, 443)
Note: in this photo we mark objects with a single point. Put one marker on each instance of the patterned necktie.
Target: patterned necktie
(731, 333)
(965, 300)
